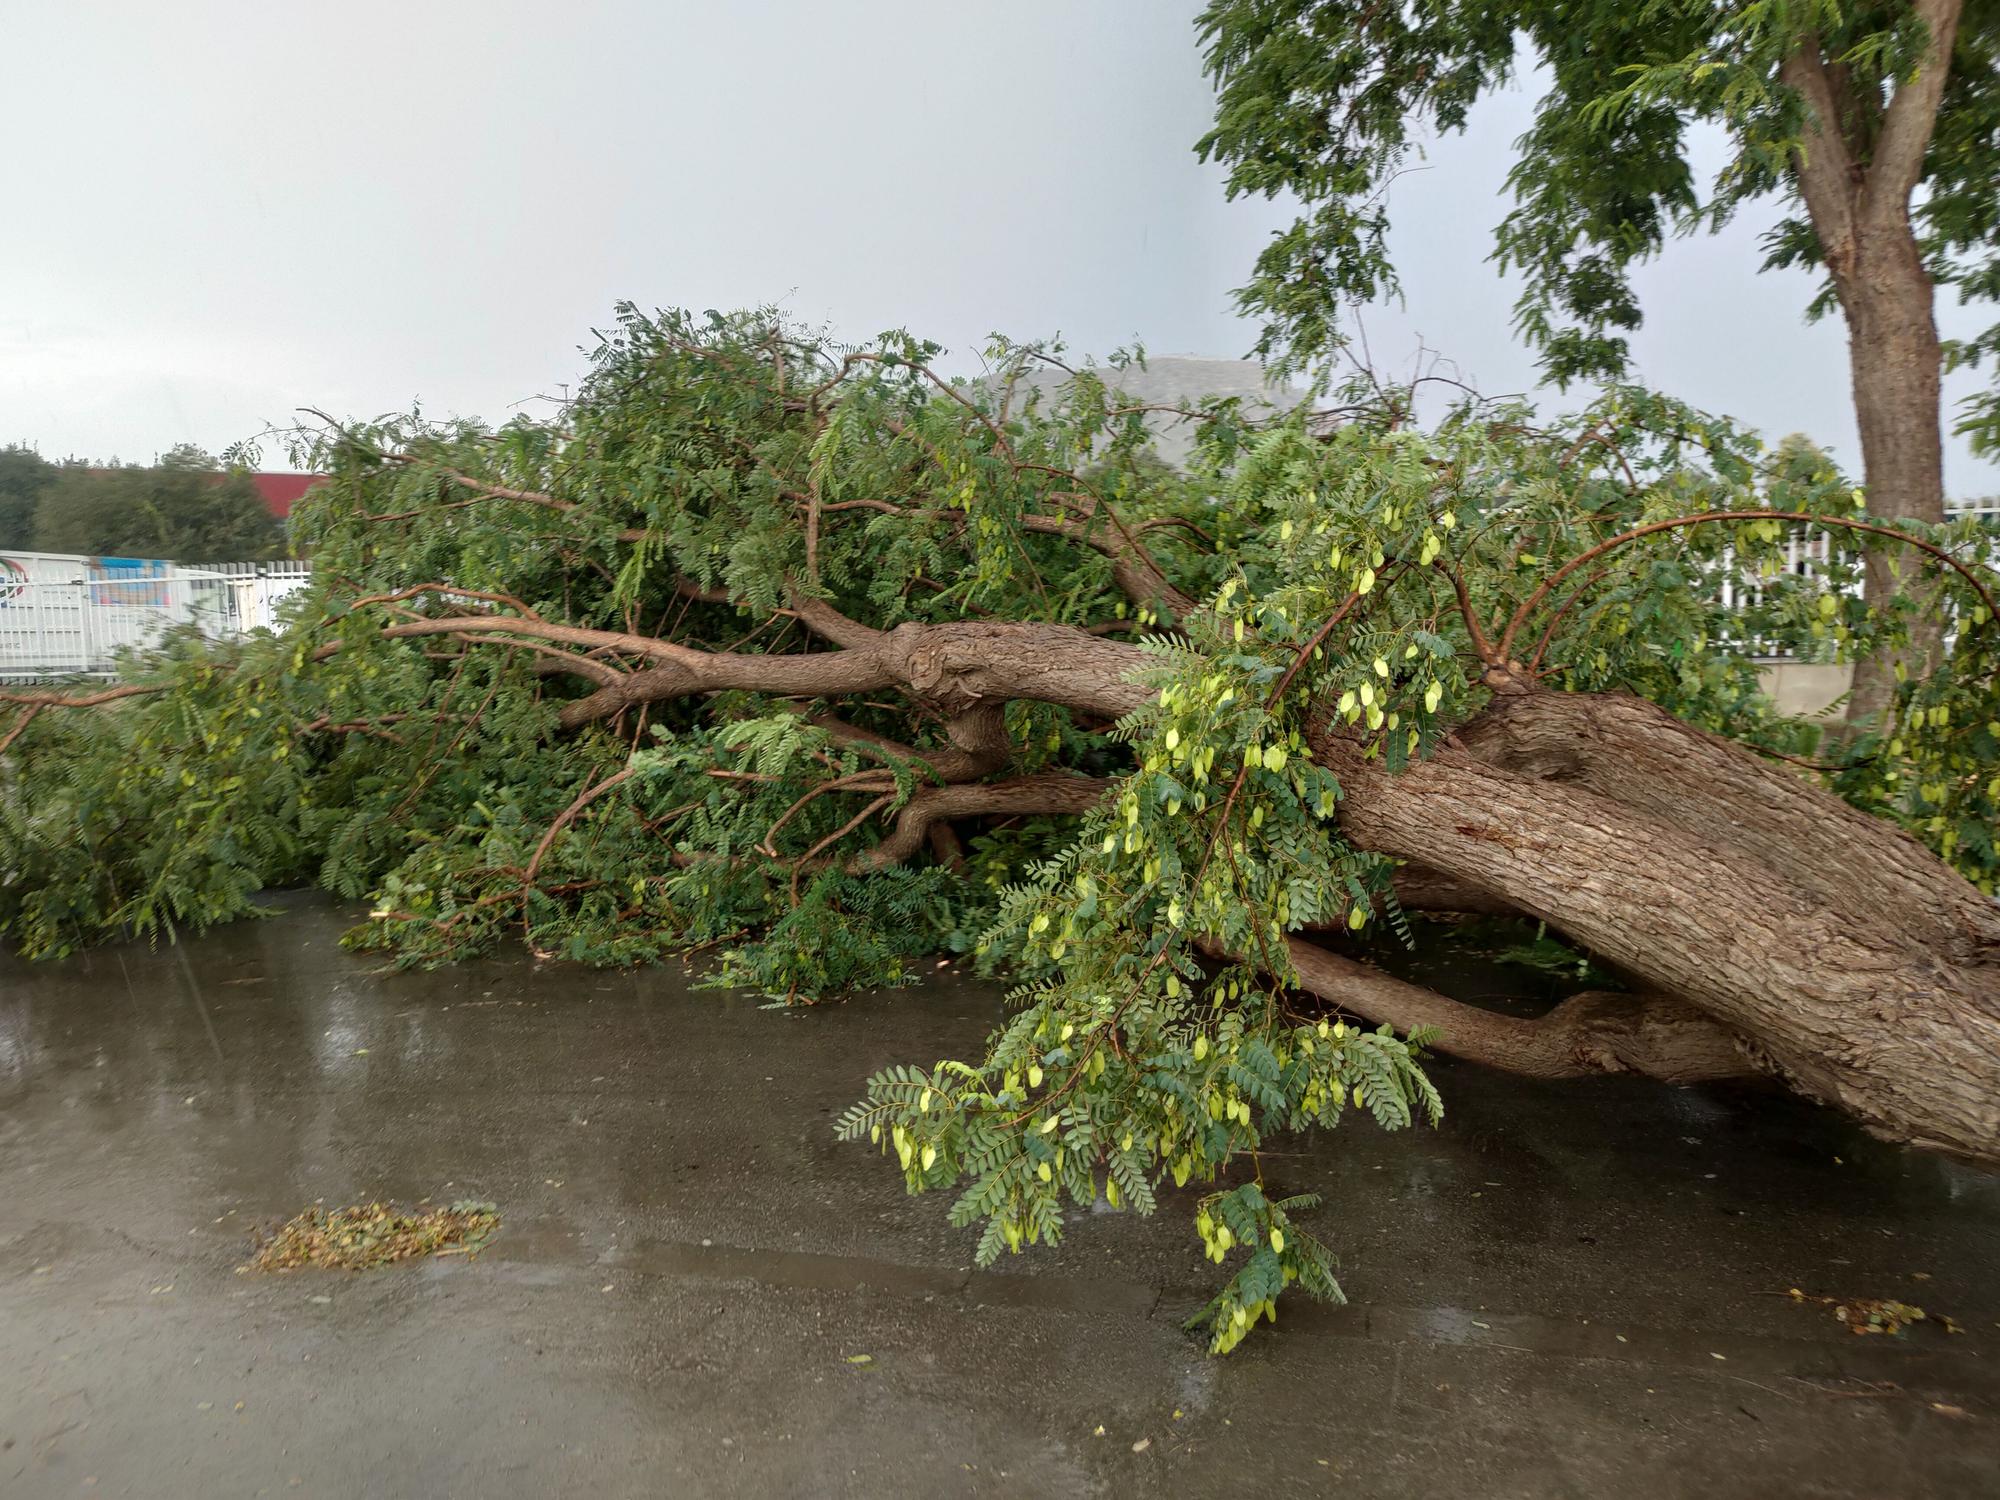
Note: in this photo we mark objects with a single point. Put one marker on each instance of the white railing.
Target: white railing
(256, 589)
(1807, 554)
(52, 626)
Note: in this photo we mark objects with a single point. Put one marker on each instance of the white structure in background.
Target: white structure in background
(64, 616)
(1807, 553)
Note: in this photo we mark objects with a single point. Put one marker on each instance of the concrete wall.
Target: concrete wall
(1804, 689)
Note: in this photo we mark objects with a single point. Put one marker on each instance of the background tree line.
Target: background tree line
(187, 507)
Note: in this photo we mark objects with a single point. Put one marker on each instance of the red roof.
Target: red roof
(282, 491)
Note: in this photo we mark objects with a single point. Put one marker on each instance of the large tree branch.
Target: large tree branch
(1584, 1035)
(954, 667)
(1898, 160)
(1055, 792)
(683, 669)
(1827, 173)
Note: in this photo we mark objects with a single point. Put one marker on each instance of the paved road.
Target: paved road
(1567, 1291)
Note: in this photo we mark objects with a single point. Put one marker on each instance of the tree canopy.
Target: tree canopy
(187, 508)
(1872, 127)
(1330, 101)
(805, 656)
(24, 475)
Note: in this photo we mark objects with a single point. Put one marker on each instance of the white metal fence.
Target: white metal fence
(257, 589)
(76, 616)
(1807, 554)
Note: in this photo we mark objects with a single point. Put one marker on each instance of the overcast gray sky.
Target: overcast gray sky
(217, 212)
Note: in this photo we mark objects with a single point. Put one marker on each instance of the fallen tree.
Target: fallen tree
(813, 656)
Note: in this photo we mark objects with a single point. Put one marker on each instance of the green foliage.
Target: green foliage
(1553, 956)
(24, 475)
(1329, 101)
(848, 931)
(184, 508)
(714, 476)
(1275, 1254)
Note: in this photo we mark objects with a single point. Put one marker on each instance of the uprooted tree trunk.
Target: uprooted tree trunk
(1772, 928)
(1761, 915)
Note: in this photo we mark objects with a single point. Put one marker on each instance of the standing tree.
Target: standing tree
(805, 652)
(186, 507)
(1875, 125)
(24, 474)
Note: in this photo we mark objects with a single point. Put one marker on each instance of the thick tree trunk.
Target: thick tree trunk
(1857, 168)
(1896, 363)
(1766, 920)
(1871, 982)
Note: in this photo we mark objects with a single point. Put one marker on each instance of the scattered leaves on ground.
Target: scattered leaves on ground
(1872, 1314)
(373, 1234)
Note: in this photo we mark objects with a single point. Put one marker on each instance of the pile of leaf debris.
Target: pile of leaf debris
(1874, 1314)
(367, 1235)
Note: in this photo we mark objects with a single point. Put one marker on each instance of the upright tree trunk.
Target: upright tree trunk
(1896, 360)
(1858, 164)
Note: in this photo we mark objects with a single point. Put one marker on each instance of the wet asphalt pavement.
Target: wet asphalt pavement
(1566, 1291)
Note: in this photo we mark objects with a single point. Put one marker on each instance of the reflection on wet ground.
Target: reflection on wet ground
(1568, 1290)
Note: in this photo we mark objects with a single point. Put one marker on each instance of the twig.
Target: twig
(27, 718)
(584, 799)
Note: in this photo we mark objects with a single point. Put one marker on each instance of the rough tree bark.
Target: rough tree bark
(1872, 983)
(1858, 166)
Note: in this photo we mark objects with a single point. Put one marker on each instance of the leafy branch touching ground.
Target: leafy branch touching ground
(805, 655)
